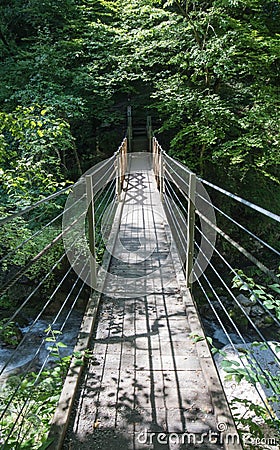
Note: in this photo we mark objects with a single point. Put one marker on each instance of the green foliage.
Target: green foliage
(210, 69)
(31, 401)
(271, 300)
(14, 233)
(33, 142)
(9, 334)
(250, 372)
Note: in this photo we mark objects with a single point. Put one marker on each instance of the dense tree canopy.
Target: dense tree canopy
(206, 70)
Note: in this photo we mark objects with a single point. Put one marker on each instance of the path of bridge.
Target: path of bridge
(147, 375)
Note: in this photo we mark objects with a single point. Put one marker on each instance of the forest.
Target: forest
(207, 72)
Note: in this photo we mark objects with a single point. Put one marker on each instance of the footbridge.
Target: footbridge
(147, 261)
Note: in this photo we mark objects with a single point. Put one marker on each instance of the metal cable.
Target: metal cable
(101, 216)
(178, 176)
(38, 351)
(66, 318)
(236, 274)
(218, 274)
(41, 230)
(100, 204)
(38, 286)
(43, 340)
(228, 336)
(174, 194)
(242, 200)
(236, 301)
(173, 180)
(241, 226)
(100, 240)
(31, 207)
(179, 164)
(254, 361)
(36, 258)
(178, 234)
(100, 191)
(47, 199)
(241, 249)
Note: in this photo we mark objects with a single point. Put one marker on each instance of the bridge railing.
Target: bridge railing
(43, 297)
(235, 273)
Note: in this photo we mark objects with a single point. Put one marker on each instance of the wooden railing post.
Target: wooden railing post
(190, 230)
(129, 128)
(125, 156)
(118, 175)
(149, 132)
(161, 175)
(154, 156)
(91, 229)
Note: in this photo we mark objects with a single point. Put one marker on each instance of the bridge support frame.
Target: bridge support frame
(190, 230)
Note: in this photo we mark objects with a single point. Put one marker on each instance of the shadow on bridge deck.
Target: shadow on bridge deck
(147, 378)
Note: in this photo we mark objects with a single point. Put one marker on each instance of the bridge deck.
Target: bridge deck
(147, 374)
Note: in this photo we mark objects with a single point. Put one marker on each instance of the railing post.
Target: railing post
(129, 128)
(161, 175)
(190, 230)
(154, 156)
(91, 229)
(149, 132)
(125, 156)
(118, 176)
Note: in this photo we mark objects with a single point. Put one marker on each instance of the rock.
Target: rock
(257, 311)
(245, 301)
(247, 310)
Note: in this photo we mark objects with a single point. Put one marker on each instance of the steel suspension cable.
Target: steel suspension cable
(241, 249)
(237, 302)
(44, 308)
(173, 220)
(31, 207)
(35, 259)
(241, 226)
(229, 338)
(40, 372)
(40, 231)
(176, 196)
(235, 326)
(43, 340)
(242, 200)
(238, 276)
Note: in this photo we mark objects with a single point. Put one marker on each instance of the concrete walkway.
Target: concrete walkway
(147, 377)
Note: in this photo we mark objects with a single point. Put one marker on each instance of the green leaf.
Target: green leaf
(46, 444)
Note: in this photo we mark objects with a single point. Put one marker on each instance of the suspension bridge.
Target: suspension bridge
(143, 238)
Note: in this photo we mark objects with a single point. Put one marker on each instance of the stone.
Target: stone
(245, 301)
(257, 311)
